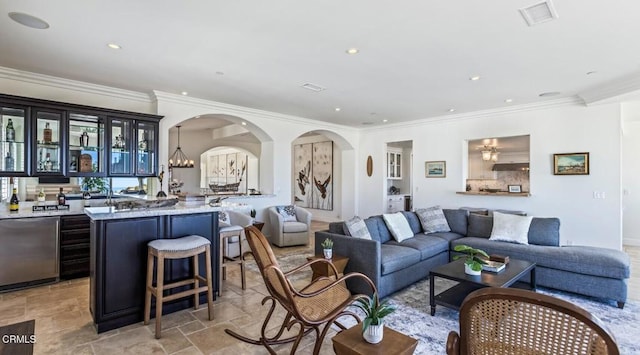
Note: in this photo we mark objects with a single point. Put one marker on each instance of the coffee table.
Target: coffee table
(453, 297)
(350, 342)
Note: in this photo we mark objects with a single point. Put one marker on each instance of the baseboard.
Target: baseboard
(635, 242)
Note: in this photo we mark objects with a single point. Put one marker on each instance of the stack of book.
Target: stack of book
(493, 266)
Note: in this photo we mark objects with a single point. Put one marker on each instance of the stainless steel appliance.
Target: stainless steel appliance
(29, 251)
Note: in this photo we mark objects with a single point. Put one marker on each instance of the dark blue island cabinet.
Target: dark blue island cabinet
(119, 260)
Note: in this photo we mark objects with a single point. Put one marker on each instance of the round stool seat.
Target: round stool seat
(231, 229)
(179, 244)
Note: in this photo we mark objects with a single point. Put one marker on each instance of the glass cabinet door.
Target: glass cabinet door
(121, 147)
(48, 142)
(146, 142)
(86, 145)
(13, 146)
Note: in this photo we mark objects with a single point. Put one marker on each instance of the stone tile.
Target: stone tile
(191, 327)
(173, 340)
(50, 306)
(173, 320)
(222, 312)
(13, 308)
(192, 350)
(212, 339)
(134, 342)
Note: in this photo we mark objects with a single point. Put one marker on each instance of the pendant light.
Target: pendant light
(178, 158)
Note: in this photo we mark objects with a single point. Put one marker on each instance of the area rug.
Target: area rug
(413, 319)
(18, 338)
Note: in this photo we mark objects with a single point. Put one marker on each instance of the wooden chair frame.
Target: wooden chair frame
(283, 293)
(517, 321)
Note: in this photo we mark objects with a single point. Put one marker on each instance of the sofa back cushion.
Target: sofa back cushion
(479, 226)
(544, 231)
(381, 233)
(413, 220)
(458, 220)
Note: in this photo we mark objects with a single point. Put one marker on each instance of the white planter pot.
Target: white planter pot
(328, 253)
(469, 271)
(374, 333)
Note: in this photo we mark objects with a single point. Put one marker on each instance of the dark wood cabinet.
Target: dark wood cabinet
(74, 246)
(62, 139)
(118, 267)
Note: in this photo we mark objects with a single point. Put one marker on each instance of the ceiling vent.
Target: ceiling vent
(539, 13)
(313, 87)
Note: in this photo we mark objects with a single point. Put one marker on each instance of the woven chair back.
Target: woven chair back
(513, 321)
(268, 265)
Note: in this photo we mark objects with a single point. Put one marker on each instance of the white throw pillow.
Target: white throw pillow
(510, 228)
(398, 226)
(288, 213)
(433, 220)
(357, 228)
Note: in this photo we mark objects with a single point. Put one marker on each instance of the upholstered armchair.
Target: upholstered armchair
(290, 225)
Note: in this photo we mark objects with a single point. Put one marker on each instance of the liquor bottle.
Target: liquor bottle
(62, 198)
(46, 133)
(48, 165)
(13, 203)
(10, 132)
(41, 196)
(8, 162)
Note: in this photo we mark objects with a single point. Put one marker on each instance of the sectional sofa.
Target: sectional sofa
(393, 265)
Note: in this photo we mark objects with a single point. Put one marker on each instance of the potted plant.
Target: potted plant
(375, 311)
(473, 262)
(327, 248)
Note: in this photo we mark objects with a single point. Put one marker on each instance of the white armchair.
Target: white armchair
(288, 233)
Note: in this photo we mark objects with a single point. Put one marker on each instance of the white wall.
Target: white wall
(630, 173)
(564, 128)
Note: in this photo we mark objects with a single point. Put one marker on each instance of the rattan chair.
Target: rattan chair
(314, 307)
(513, 321)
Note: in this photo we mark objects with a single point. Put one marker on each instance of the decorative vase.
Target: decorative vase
(469, 271)
(374, 333)
(328, 253)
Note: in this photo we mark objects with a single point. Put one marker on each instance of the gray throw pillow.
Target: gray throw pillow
(433, 220)
(224, 217)
(545, 231)
(357, 228)
(479, 226)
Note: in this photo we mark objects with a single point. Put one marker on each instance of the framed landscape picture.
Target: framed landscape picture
(435, 169)
(571, 164)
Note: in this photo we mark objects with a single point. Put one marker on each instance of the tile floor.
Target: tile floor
(64, 324)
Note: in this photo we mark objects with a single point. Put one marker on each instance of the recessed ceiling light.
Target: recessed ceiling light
(243, 123)
(452, 109)
(352, 51)
(28, 20)
(113, 46)
(508, 100)
(475, 78)
(385, 120)
(184, 93)
(338, 109)
(550, 93)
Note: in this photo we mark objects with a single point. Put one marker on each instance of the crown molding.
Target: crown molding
(547, 104)
(224, 108)
(613, 91)
(53, 81)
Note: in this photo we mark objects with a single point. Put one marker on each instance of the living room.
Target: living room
(599, 117)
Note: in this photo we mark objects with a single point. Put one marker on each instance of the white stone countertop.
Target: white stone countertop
(25, 211)
(101, 213)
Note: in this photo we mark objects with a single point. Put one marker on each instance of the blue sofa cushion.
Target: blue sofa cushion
(479, 226)
(427, 245)
(458, 220)
(544, 231)
(448, 236)
(413, 220)
(578, 259)
(396, 258)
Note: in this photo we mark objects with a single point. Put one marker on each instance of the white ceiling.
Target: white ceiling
(415, 59)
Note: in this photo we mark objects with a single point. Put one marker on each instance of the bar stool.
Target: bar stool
(185, 247)
(227, 233)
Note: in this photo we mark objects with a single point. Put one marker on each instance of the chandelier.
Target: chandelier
(178, 158)
(490, 153)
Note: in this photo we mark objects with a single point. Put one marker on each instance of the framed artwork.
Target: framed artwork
(322, 173)
(571, 164)
(514, 189)
(435, 169)
(302, 174)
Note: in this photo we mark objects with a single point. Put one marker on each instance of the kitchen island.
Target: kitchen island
(118, 263)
